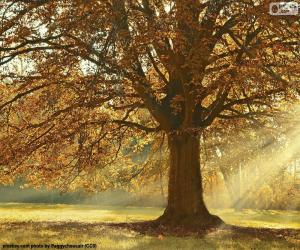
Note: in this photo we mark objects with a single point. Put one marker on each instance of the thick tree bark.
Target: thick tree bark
(185, 195)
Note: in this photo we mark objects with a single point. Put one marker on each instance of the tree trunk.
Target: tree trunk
(185, 194)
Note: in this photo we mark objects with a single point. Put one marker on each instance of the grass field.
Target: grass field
(76, 224)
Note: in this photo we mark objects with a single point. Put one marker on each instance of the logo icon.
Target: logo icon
(284, 9)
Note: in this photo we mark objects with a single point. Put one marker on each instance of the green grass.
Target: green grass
(46, 224)
(12, 212)
(261, 218)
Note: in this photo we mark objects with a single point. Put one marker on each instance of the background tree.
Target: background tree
(241, 157)
(99, 73)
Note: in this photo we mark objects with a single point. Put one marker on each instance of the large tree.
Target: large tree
(81, 78)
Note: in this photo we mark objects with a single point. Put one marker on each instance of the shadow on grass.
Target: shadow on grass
(152, 235)
(228, 235)
(155, 229)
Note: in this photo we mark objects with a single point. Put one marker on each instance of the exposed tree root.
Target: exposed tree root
(208, 221)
